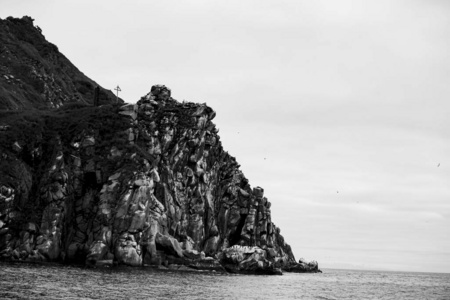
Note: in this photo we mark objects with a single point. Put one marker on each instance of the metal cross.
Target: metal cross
(117, 95)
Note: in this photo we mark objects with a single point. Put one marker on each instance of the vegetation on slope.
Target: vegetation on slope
(34, 74)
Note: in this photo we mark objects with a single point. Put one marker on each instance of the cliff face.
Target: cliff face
(134, 184)
(138, 184)
(34, 74)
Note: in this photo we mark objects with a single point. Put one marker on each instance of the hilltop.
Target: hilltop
(34, 74)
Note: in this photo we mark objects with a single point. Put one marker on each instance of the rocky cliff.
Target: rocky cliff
(34, 74)
(146, 183)
(135, 184)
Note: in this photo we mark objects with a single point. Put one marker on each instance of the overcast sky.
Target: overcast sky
(338, 109)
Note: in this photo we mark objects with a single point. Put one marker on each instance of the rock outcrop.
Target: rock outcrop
(133, 184)
(148, 184)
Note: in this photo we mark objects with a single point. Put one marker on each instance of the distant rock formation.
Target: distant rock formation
(34, 74)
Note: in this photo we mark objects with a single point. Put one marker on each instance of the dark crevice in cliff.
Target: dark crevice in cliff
(236, 236)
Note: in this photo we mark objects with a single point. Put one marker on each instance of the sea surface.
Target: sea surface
(50, 281)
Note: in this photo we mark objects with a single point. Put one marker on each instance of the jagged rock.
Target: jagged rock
(253, 260)
(161, 92)
(129, 110)
(208, 264)
(36, 256)
(141, 184)
(211, 245)
(97, 252)
(127, 251)
(128, 255)
(304, 267)
(169, 245)
(194, 254)
(50, 248)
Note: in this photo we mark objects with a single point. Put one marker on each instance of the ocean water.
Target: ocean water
(32, 281)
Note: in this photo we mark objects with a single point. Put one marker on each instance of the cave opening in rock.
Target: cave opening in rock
(236, 236)
(90, 180)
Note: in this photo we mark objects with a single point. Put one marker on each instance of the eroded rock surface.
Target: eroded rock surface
(159, 190)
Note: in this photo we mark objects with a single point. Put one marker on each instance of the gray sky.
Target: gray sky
(338, 109)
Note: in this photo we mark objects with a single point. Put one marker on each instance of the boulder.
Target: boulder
(161, 92)
(49, 249)
(128, 107)
(211, 245)
(96, 252)
(31, 227)
(258, 192)
(168, 244)
(207, 264)
(250, 260)
(194, 254)
(127, 254)
(303, 267)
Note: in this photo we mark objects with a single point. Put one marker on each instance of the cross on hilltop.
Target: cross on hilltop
(117, 95)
